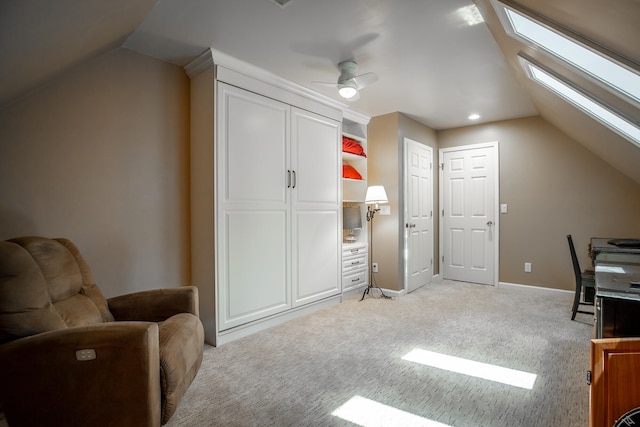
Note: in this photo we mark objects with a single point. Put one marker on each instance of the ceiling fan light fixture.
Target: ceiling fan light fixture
(348, 89)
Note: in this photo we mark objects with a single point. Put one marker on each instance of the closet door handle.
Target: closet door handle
(288, 178)
(295, 179)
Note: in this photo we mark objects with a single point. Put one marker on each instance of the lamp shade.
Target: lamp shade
(351, 218)
(376, 194)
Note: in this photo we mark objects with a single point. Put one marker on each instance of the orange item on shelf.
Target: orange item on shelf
(349, 171)
(350, 145)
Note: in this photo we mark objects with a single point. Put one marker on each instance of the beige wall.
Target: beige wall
(553, 186)
(100, 155)
(385, 157)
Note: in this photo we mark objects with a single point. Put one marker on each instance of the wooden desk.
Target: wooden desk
(601, 250)
(617, 303)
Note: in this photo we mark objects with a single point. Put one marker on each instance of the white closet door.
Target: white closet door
(469, 193)
(253, 207)
(316, 228)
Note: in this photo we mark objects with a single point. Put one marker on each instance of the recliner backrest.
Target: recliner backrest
(45, 284)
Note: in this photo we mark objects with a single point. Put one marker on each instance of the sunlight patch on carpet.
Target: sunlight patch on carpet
(469, 367)
(369, 413)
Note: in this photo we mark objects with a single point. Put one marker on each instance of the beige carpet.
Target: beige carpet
(299, 373)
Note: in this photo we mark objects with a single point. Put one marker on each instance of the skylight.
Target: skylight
(611, 74)
(587, 103)
(606, 71)
(584, 56)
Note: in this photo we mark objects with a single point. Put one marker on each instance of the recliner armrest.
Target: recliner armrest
(155, 305)
(67, 385)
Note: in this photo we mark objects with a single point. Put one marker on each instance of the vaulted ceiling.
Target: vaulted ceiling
(436, 62)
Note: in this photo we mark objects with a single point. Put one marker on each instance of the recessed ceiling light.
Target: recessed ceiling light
(474, 116)
(281, 3)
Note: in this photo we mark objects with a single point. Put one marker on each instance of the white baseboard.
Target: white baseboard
(354, 291)
(534, 288)
(403, 292)
(394, 293)
(260, 325)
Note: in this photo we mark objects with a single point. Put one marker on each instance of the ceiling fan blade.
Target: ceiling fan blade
(325, 84)
(366, 79)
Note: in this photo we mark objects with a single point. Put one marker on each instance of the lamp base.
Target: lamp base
(368, 290)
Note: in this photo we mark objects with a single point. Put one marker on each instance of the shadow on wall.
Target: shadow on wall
(14, 224)
(106, 254)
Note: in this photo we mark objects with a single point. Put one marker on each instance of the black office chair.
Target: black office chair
(583, 280)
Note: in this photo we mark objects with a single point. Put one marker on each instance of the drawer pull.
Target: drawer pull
(355, 251)
(355, 262)
(355, 280)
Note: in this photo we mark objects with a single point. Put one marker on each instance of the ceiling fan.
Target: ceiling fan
(349, 84)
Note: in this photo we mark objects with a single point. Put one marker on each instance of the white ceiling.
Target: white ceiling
(433, 65)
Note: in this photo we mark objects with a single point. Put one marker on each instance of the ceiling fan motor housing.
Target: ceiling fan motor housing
(347, 71)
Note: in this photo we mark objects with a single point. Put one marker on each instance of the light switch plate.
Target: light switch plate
(503, 208)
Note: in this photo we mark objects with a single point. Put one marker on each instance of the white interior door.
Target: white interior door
(418, 224)
(469, 204)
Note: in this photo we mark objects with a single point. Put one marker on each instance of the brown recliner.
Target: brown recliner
(70, 357)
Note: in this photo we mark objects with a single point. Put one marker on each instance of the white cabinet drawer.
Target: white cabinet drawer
(353, 251)
(354, 262)
(354, 280)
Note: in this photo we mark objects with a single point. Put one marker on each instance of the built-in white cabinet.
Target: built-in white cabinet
(354, 131)
(355, 271)
(278, 207)
(266, 197)
(354, 190)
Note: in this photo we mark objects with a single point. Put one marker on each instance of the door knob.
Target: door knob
(490, 223)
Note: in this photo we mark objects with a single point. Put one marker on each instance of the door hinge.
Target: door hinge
(441, 166)
(443, 258)
(442, 212)
(588, 377)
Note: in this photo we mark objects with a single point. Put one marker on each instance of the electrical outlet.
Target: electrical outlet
(375, 267)
(527, 267)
